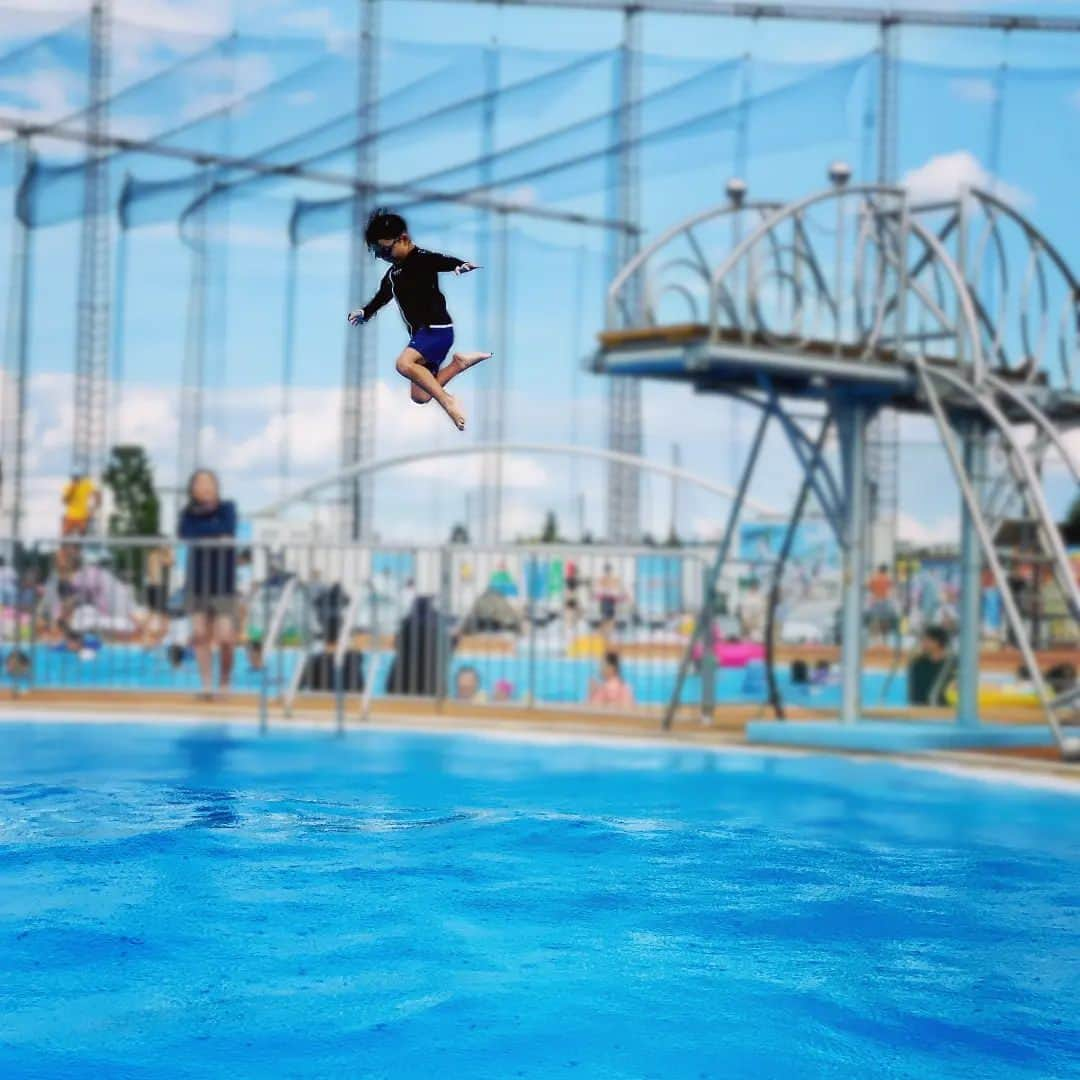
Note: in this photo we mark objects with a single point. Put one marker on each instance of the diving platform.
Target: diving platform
(858, 300)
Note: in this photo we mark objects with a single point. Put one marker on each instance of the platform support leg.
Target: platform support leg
(852, 418)
(967, 710)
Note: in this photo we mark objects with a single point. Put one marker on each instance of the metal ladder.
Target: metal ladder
(1061, 710)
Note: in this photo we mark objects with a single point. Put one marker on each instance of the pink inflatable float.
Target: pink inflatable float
(733, 653)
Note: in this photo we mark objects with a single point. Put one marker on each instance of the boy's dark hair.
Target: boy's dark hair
(800, 673)
(383, 224)
(938, 635)
(612, 660)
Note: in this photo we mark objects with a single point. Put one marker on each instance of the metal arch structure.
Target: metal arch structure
(862, 300)
(304, 494)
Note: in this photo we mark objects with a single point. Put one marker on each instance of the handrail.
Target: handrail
(1040, 419)
(374, 651)
(341, 651)
(277, 618)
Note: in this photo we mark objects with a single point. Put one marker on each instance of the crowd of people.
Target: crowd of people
(94, 592)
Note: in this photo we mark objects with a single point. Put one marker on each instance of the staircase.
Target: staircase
(1017, 485)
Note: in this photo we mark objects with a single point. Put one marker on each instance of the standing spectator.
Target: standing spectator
(81, 500)
(608, 592)
(210, 588)
(572, 605)
(752, 612)
(882, 616)
(611, 689)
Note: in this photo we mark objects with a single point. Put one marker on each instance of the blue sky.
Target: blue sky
(955, 94)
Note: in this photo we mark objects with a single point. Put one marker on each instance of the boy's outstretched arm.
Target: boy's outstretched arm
(380, 299)
(448, 264)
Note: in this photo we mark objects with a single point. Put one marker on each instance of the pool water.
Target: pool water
(198, 901)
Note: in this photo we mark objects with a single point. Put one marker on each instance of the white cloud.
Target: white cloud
(43, 94)
(976, 91)
(943, 177)
(177, 16)
(525, 196)
(942, 531)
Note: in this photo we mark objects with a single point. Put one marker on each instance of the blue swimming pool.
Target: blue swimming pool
(198, 901)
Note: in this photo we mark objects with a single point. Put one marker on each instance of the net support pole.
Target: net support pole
(288, 354)
(92, 298)
(624, 394)
(189, 448)
(119, 318)
(16, 378)
(967, 706)
(502, 347)
(488, 316)
(358, 397)
(851, 422)
(883, 460)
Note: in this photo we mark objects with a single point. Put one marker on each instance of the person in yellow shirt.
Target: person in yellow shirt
(81, 500)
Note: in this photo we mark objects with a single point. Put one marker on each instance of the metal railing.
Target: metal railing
(515, 626)
(511, 627)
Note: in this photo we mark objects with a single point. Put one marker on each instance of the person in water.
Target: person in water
(413, 281)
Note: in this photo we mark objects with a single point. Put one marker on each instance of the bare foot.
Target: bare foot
(455, 412)
(466, 360)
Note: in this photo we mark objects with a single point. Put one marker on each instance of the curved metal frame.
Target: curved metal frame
(367, 467)
(686, 226)
(766, 230)
(1026, 305)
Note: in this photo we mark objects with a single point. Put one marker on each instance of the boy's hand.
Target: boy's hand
(465, 268)
(356, 317)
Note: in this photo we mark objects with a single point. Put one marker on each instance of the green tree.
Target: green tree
(136, 510)
(550, 532)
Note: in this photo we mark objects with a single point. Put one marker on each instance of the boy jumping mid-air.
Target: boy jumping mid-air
(413, 282)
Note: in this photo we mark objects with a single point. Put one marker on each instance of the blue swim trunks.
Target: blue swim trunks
(433, 343)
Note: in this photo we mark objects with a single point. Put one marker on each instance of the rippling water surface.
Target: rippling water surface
(195, 901)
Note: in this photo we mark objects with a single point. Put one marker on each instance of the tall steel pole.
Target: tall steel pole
(883, 440)
(624, 394)
(288, 354)
(491, 316)
(92, 298)
(358, 390)
(15, 381)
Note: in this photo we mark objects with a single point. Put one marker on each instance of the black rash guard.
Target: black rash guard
(414, 284)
